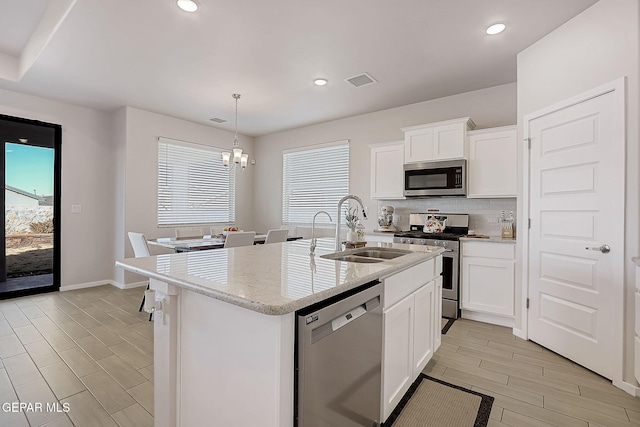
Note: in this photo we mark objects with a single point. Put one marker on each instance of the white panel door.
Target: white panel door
(577, 206)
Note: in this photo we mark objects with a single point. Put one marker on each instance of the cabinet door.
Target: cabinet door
(488, 285)
(397, 360)
(437, 315)
(418, 145)
(492, 165)
(424, 301)
(387, 173)
(449, 141)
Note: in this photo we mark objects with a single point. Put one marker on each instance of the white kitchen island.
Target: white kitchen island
(224, 339)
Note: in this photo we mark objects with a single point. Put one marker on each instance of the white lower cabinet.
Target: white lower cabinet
(488, 282)
(437, 316)
(397, 362)
(423, 325)
(411, 319)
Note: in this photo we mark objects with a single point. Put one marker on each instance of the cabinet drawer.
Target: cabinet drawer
(406, 282)
(489, 250)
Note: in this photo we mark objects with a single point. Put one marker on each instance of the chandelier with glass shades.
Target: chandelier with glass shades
(238, 157)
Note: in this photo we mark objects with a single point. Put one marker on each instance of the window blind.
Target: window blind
(314, 179)
(193, 185)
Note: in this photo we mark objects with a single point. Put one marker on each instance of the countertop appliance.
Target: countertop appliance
(444, 178)
(339, 360)
(385, 219)
(457, 225)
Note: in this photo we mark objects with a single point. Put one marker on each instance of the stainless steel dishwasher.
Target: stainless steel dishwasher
(339, 360)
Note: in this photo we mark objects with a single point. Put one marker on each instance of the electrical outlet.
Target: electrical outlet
(76, 209)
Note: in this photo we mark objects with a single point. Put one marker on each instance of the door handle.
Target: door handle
(605, 249)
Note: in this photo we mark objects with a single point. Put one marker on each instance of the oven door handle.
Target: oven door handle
(448, 250)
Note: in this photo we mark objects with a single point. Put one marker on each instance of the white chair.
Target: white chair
(189, 232)
(140, 249)
(239, 238)
(216, 230)
(276, 236)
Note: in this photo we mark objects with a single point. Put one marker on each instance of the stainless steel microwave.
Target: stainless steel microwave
(446, 178)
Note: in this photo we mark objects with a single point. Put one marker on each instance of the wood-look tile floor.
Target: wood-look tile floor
(532, 386)
(92, 350)
(88, 348)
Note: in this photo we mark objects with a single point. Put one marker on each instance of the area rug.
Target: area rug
(434, 403)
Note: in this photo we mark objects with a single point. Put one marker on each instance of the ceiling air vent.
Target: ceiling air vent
(361, 80)
(218, 120)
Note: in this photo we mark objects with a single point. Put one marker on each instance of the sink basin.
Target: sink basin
(352, 258)
(382, 253)
(367, 255)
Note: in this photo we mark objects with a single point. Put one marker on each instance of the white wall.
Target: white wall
(87, 237)
(490, 107)
(13, 198)
(598, 46)
(137, 159)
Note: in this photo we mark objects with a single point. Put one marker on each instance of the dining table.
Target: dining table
(190, 244)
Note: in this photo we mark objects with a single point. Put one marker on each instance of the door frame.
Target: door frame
(57, 207)
(618, 88)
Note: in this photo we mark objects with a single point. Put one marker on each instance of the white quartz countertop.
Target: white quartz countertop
(492, 239)
(273, 279)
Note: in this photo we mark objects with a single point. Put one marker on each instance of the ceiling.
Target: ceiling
(151, 55)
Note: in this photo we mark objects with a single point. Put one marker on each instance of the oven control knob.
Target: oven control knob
(402, 240)
(436, 242)
(423, 241)
(409, 241)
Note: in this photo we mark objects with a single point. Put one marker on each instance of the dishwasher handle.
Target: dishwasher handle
(350, 316)
(343, 320)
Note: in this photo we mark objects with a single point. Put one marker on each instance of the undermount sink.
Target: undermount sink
(352, 258)
(367, 255)
(382, 253)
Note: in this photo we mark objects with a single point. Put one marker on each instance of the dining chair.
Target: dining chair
(189, 232)
(216, 230)
(140, 250)
(277, 236)
(239, 238)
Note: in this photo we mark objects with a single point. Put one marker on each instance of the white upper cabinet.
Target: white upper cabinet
(387, 173)
(492, 162)
(437, 141)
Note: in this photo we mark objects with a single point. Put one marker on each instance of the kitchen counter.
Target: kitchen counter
(492, 239)
(274, 279)
(224, 329)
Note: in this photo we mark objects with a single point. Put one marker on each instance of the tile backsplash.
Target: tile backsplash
(483, 213)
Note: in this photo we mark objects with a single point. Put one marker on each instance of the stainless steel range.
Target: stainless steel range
(457, 225)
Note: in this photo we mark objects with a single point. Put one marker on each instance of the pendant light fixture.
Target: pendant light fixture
(239, 158)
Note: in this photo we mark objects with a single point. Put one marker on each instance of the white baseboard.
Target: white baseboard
(103, 282)
(628, 388)
(84, 285)
(493, 319)
(520, 333)
(129, 285)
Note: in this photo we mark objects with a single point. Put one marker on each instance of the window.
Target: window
(193, 185)
(314, 179)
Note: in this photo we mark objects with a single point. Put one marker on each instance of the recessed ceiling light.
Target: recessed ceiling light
(496, 28)
(320, 82)
(187, 5)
